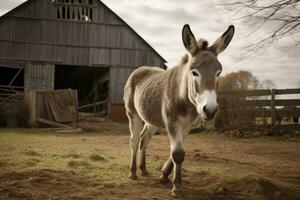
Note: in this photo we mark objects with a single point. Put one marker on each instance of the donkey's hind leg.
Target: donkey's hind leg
(135, 126)
(146, 135)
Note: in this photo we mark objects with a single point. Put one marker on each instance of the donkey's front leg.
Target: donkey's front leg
(178, 158)
(177, 155)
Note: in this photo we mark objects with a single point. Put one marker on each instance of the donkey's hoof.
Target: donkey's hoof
(145, 173)
(176, 192)
(133, 176)
(164, 180)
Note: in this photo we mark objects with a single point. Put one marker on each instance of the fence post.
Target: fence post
(273, 110)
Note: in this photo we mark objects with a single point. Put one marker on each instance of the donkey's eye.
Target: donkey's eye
(195, 73)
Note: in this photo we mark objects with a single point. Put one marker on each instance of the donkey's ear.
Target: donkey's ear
(189, 40)
(222, 42)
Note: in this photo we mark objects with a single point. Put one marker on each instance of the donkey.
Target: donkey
(172, 99)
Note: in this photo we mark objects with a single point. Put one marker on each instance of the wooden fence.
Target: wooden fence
(264, 105)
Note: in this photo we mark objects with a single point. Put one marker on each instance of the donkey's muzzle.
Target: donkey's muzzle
(210, 113)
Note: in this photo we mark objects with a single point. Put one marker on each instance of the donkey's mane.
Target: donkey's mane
(184, 59)
(202, 45)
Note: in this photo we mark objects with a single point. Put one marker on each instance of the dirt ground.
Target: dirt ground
(94, 165)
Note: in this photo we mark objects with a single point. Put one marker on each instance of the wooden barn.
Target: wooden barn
(78, 44)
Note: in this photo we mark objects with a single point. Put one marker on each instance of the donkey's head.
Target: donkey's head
(203, 70)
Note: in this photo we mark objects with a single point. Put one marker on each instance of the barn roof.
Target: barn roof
(22, 5)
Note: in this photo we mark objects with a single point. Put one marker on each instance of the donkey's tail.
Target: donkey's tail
(129, 90)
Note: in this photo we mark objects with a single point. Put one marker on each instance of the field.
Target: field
(94, 165)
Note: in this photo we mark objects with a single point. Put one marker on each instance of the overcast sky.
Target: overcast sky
(160, 23)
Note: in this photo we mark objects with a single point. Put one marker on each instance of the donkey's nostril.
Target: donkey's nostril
(210, 113)
(204, 109)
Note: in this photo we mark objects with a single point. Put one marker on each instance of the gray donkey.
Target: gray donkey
(172, 99)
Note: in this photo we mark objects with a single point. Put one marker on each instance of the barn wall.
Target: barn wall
(118, 77)
(33, 33)
(35, 9)
(73, 43)
(117, 112)
(70, 33)
(39, 77)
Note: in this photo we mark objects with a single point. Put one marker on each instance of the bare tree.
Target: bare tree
(267, 84)
(240, 80)
(281, 18)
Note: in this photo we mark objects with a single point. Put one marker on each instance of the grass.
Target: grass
(214, 164)
(21, 151)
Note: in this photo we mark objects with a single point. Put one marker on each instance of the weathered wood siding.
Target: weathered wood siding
(39, 77)
(118, 78)
(35, 34)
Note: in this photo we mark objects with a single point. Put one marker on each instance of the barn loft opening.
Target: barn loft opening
(92, 84)
(77, 10)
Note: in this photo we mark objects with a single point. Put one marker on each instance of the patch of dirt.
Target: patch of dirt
(252, 187)
(214, 159)
(47, 184)
(97, 157)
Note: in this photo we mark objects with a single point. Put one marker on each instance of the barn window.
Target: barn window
(76, 10)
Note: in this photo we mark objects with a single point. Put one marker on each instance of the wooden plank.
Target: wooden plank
(278, 102)
(246, 93)
(287, 127)
(288, 112)
(92, 105)
(258, 103)
(43, 130)
(12, 87)
(16, 75)
(287, 102)
(255, 112)
(75, 45)
(52, 123)
(288, 91)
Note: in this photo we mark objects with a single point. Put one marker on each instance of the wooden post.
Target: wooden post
(31, 106)
(273, 109)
